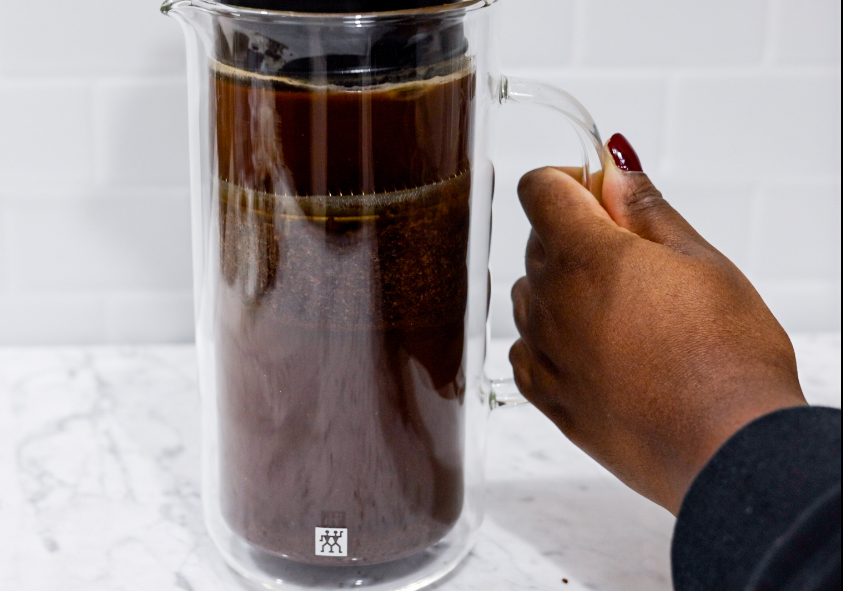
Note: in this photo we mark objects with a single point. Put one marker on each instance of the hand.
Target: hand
(646, 346)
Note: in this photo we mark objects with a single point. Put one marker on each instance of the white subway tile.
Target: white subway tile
(510, 227)
(140, 241)
(803, 306)
(529, 136)
(51, 318)
(501, 319)
(720, 212)
(45, 135)
(671, 33)
(150, 317)
(94, 37)
(808, 32)
(755, 125)
(534, 33)
(142, 133)
(630, 104)
(798, 233)
(4, 248)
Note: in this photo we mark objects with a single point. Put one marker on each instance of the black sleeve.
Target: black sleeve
(764, 514)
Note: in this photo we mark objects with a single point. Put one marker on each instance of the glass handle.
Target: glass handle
(516, 90)
(505, 393)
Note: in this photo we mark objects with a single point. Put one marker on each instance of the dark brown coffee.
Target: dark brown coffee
(344, 219)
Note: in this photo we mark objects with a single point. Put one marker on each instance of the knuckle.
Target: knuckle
(535, 249)
(543, 314)
(586, 268)
(535, 179)
(518, 353)
(576, 257)
(521, 315)
(519, 357)
(645, 198)
(534, 267)
(519, 289)
(573, 261)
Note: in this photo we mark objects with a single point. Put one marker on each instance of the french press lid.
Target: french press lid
(347, 56)
(338, 6)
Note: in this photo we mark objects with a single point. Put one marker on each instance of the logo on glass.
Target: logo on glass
(331, 542)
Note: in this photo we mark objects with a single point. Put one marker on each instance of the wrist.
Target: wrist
(722, 426)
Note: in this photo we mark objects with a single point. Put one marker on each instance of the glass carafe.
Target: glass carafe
(342, 190)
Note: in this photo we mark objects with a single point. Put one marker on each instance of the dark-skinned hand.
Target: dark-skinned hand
(645, 345)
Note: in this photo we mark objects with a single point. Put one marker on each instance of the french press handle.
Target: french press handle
(528, 92)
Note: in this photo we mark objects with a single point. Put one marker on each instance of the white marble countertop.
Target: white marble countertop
(99, 484)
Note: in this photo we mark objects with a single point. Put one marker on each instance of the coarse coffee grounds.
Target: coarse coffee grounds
(343, 219)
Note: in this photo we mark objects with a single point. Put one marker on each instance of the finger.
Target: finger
(538, 385)
(635, 204)
(529, 320)
(519, 357)
(575, 172)
(535, 253)
(521, 304)
(562, 212)
(593, 184)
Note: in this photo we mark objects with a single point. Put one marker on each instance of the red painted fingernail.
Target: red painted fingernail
(625, 157)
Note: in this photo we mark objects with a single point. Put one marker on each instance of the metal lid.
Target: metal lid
(338, 6)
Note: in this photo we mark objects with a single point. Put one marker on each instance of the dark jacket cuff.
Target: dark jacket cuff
(747, 504)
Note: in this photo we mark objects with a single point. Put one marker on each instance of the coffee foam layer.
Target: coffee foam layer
(462, 67)
(323, 207)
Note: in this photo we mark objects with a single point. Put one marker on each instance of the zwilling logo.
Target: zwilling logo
(331, 542)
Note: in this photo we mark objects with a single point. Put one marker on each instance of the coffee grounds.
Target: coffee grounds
(340, 318)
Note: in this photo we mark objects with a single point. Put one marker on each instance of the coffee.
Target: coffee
(343, 220)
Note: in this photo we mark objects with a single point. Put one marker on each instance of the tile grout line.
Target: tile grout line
(579, 34)
(6, 243)
(669, 142)
(94, 190)
(92, 129)
(99, 133)
(702, 72)
(7, 81)
(5, 257)
(753, 256)
(773, 17)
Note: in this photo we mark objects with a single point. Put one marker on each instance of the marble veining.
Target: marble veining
(99, 484)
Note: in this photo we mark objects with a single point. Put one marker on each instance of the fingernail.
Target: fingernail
(623, 154)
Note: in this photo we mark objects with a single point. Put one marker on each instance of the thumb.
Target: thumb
(634, 203)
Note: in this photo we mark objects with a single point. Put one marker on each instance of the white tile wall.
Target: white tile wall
(802, 305)
(632, 102)
(46, 134)
(804, 214)
(807, 32)
(142, 132)
(745, 123)
(670, 33)
(88, 38)
(42, 318)
(137, 240)
(532, 41)
(4, 252)
(722, 212)
(150, 316)
(734, 108)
